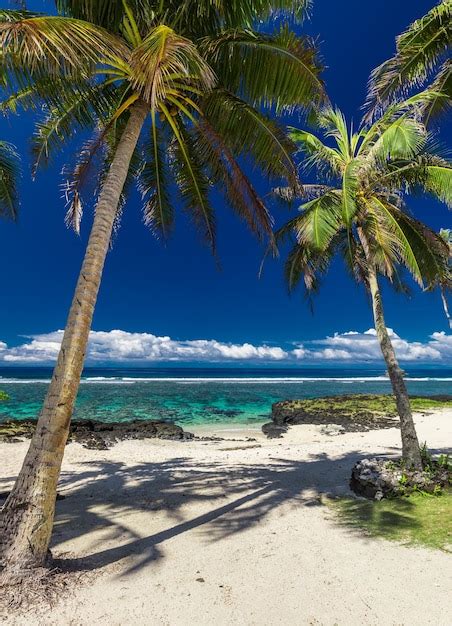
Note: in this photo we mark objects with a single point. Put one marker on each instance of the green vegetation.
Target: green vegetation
(372, 405)
(355, 412)
(172, 96)
(3, 396)
(416, 520)
(356, 210)
(421, 58)
(9, 177)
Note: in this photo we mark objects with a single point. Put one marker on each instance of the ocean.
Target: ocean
(201, 396)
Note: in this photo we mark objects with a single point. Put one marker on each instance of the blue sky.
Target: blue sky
(176, 290)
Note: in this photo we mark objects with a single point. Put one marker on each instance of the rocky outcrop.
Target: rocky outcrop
(380, 478)
(274, 431)
(339, 414)
(100, 435)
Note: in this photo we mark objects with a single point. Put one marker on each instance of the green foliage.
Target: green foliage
(362, 404)
(3, 396)
(414, 520)
(204, 71)
(9, 175)
(422, 55)
(358, 210)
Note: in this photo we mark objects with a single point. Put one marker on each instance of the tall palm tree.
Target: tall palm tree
(422, 57)
(9, 175)
(358, 211)
(446, 234)
(176, 90)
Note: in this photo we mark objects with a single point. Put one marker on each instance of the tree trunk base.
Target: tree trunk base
(26, 588)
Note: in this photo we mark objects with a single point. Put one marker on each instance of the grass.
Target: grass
(415, 520)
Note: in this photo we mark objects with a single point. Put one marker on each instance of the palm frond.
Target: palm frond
(153, 185)
(76, 109)
(162, 55)
(441, 87)
(307, 264)
(9, 177)
(193, 184)
(326, 160)
(429, 249)
(55, 46)
(279, 70)
(402, 139)
(350, 185)
(245, 130)
(419, 50)
(227, 174)
(320, 221)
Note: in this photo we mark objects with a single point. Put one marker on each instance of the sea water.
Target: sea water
(201, 396)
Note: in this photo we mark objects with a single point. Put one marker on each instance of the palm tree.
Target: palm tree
(422, 57)
(446, 234)
(358, 212)
(9, 175)
(176, 90)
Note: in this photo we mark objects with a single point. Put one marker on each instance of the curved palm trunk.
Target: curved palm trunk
(26, 519)
(446, 308)
(410, 444)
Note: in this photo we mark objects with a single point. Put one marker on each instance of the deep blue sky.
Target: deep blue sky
(176, 289)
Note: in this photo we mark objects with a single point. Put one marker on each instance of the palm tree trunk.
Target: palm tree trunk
(410, 444)
(446, 308)
(26, 520)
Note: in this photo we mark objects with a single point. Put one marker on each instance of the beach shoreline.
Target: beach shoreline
(228, 532)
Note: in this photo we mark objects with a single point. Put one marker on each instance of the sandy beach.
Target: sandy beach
(233, 532)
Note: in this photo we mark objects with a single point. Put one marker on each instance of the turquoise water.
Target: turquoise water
(197, 397)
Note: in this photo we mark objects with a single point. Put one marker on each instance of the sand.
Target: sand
(234, 532)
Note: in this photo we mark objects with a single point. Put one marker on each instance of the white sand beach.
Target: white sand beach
(234, 532)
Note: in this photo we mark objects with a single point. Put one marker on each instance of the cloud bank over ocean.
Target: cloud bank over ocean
(145, 348)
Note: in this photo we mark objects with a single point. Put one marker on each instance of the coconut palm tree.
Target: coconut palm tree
(176, 90)
(422, 57)
(358, 211)
(446, 234)
(9, 175)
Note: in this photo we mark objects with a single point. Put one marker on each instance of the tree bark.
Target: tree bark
(26, 520)
(410, 445)
(446, 307)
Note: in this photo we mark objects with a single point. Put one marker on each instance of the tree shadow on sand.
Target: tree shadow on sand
(235, 496)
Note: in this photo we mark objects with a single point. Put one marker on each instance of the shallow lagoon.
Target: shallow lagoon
(200, 396)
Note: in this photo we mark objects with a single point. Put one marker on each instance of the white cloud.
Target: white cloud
(142, 348)
(355, 346)
(119, 345)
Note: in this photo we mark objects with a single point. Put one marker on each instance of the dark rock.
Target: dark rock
(101, 435)
(354, 413)
(274, 431)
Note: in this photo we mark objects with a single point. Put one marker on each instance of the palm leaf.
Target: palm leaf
(162, 55)
(247, 131)
(9, 175)
(279, 70)
(227, 174)
(153, 185)
(419, 50)
(320, 221)
(52, 45)
(191, 179)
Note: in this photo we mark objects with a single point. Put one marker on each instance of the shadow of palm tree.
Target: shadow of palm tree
(235, 497)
